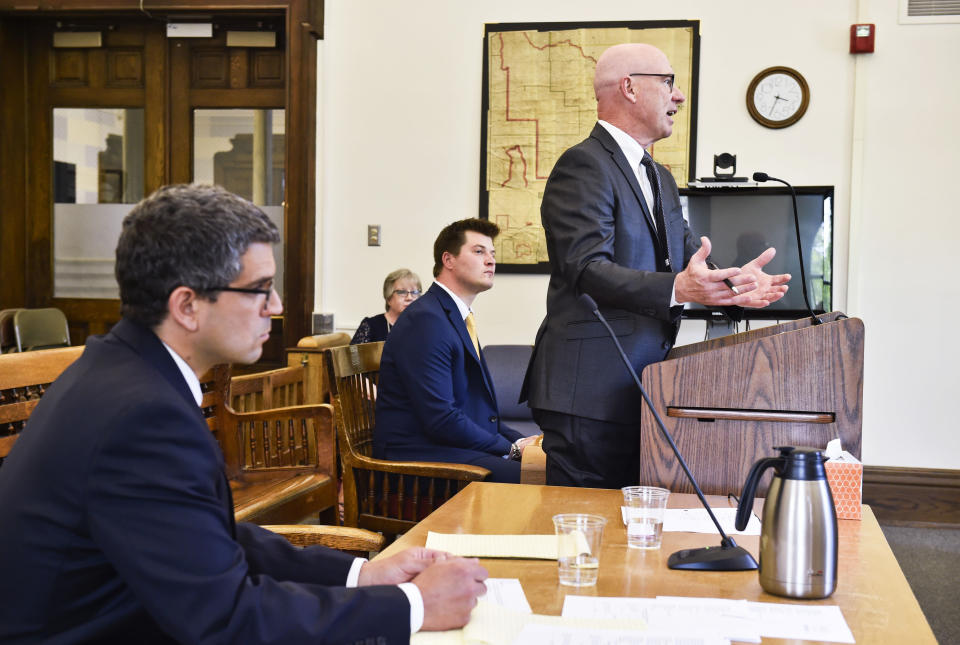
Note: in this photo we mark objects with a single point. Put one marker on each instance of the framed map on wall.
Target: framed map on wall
(538, 101)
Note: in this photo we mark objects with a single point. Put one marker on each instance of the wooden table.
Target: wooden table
(872, 592)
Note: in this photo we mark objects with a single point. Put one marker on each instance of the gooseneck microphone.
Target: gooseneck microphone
(761, 177)
(729, 556)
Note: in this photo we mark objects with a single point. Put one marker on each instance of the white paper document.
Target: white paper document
(536, 634)
(696, 520)
(807, 622)
(737, 620)
(693, 617)
(491, 624)
(507, 592)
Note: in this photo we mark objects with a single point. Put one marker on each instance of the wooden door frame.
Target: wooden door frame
(304, 26)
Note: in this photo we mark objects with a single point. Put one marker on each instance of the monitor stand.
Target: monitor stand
(718, 326)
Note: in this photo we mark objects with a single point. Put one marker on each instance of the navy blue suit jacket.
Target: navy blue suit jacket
(435, 401)
(116, 525)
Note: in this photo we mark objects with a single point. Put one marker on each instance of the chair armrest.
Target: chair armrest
(437, 469)
(321, 341)
(343, 538)
(235, 447)
(533, 465)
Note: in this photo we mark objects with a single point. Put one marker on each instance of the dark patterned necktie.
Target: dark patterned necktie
(654, 178)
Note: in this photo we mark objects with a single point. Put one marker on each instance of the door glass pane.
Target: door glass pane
(97, 178)
(243, 151)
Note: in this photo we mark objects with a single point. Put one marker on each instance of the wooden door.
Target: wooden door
(128, 71)
(137, 69)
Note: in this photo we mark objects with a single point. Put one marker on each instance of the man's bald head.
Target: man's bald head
(622, 60)
(640, 105)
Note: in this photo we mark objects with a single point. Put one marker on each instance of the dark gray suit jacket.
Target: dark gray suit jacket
(601, 241)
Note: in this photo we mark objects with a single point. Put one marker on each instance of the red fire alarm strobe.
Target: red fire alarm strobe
(861, 38)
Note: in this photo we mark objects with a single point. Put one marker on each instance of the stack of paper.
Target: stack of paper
(503, 617)
(738, 620)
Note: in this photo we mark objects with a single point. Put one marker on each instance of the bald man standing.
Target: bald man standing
(615, 230)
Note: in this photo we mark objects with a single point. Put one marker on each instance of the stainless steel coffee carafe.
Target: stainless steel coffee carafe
(798, 537)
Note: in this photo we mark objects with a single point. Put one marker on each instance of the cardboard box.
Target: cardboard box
(845, 477)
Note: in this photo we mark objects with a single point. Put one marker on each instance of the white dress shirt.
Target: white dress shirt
(461, 305)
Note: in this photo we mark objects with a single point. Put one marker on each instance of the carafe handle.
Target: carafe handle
(750, 489)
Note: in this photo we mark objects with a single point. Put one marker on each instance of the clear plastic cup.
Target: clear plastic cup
(645, 508)
(578, 547)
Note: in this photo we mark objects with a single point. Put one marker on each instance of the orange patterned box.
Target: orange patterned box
(845, 476)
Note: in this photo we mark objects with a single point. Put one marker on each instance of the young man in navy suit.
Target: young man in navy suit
(435, 399)
(116, 520)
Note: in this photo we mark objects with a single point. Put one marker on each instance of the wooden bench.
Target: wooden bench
(280, 461)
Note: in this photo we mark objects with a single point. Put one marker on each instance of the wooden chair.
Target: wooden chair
(266, 390)
(280, 462)
(358, 542)
(308, 354)
(381, 495)
(24, 377)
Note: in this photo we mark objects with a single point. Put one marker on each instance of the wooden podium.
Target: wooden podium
(728, 401)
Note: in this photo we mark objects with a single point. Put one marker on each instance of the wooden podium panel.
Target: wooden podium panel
(728, 401)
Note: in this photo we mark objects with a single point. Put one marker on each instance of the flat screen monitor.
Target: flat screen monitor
(742, 222)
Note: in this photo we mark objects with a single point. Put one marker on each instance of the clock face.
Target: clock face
(777, 97)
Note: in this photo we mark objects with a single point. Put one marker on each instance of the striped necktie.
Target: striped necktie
(472, 330)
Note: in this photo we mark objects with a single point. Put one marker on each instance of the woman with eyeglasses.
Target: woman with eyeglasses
(400, 288)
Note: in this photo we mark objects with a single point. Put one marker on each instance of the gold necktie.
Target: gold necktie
(472, 330)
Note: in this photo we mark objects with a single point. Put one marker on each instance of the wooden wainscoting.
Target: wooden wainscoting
(913, 496)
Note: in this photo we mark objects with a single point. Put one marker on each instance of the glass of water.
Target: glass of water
(645, 506)
(578, 547)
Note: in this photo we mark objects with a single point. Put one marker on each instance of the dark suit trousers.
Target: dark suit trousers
(501, 470)
(589, 453)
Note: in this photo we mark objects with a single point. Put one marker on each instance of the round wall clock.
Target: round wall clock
(777, 97)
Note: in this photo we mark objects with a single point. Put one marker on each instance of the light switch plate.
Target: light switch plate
(373, 235)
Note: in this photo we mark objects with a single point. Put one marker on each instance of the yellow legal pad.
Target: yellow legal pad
(526, 547)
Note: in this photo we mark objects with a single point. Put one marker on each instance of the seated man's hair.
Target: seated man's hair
(184, 235)
(453, 237)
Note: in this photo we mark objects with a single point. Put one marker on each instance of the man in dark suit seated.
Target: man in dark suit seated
(116, 520)
(435, 400)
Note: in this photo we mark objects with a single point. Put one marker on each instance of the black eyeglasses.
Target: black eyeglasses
(403, 293)
(259, 292)
(667, 78)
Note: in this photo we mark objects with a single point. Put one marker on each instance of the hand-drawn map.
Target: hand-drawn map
(538, 95)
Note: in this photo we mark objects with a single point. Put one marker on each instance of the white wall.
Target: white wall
(399, 145)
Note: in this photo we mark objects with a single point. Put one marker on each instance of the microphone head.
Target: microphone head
(588, 302)
(760, 176)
